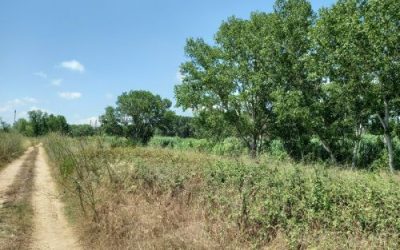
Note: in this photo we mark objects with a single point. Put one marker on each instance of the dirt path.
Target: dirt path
(51, 230)
(8, 174)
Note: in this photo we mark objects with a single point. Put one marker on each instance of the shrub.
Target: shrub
(276, 149)
(230, 146)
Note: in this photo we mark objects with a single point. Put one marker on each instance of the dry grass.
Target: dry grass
(12, 145)
(16, 212)
(165, 199)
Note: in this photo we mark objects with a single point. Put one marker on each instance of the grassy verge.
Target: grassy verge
(11, 146)
(162, 198)
(16, 211)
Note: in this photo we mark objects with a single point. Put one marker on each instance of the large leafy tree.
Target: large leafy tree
(293, 94)
(141, 112)
(228, 81)
(338, 61)
(383, 29)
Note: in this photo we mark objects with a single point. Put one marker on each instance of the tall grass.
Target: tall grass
(11, 146)
(164, 198)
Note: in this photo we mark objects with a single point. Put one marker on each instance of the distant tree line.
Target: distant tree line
(300, 77)
(138, 116)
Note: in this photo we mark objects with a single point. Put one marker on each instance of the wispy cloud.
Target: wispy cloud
(12, 104)
(70, 95)
(73, 65)
(56, 82)
(41, 74)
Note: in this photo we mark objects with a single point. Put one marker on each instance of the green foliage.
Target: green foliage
(313, 82)
(5, 127)
(227, 81)
(276, 149)
(176, 125)
(110, 122)
(82, 130)
(181, 143)
(229, 146)
(142, 112)
(40, 123)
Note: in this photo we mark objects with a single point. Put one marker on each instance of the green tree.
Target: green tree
(141, 112)
(293, 94)
(79, 130)
(338, 62)
(110, 122)
(38, 121)
(57, 123)
(383, 29)
(227, 81)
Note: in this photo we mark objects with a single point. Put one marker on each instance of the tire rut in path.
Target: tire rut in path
(9, 172)
(16, 209)
(51, 229)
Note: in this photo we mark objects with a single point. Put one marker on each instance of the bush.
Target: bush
(202, 145)
(230, 146)
(116, 141)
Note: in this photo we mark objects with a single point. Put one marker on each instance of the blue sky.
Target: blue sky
(75, 57)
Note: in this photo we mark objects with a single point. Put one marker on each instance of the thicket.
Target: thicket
(265, 203)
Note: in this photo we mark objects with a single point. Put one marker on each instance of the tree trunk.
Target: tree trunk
(386, 133)
(357, 143)
(354, 160)
(389, 145)
(328, 149)
(253, 147)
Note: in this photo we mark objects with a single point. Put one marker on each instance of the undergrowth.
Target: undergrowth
(163, 198)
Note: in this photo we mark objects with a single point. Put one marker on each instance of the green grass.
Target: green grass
(232, 202)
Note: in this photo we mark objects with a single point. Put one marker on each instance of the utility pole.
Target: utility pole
(15, 116)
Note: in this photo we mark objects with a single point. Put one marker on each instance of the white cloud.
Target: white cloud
(73, 65)
(13, 104)
(41, 74)
(70, 95)
(56, 82)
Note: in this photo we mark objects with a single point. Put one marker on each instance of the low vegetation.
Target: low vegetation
(156, 198)
(11, 146)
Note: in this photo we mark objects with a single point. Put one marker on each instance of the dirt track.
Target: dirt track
(50, 228)
(8, 174)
